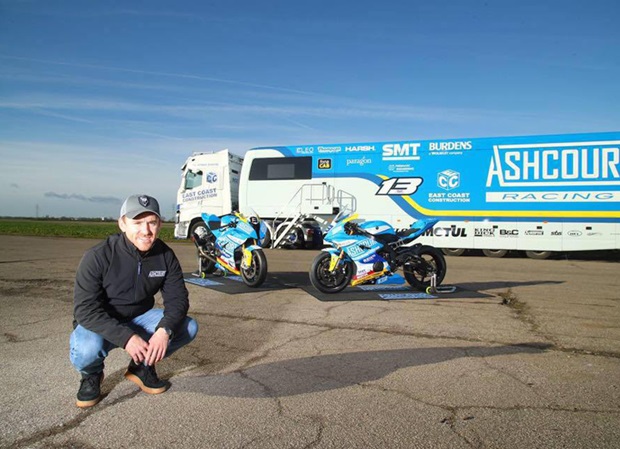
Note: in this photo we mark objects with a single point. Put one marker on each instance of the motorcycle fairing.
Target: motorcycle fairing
(213, 222)
(226, 266)
(247, 228)
(227, 243)
(361, 248)
(364, 269)
(234, 237)
(376, 227)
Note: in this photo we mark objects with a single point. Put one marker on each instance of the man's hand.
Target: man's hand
(157, 346)
(137, 348)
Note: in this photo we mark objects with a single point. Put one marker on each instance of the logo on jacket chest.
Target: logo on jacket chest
(157, 274)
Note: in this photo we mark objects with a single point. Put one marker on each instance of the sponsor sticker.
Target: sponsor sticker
(484, 232)
(324, 164)
(401, 151)
(534, 232)
(361, 161)
(382, 287)
(203, 282)
(392, 296)
(329, 149)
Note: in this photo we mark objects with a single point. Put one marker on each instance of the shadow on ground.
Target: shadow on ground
(285, 280)
(334, 371)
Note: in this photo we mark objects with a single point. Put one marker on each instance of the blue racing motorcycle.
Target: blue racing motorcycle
(230, 244)
(370, 251)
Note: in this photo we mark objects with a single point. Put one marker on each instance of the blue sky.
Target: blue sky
(100, 100)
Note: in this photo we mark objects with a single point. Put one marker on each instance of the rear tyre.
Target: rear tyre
(329, 281)
(256, 273)
(207, 265)
(422, 265)
(540, 255)
(455, 252)
(495, 252)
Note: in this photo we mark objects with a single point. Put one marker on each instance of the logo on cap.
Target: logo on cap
(144, 200)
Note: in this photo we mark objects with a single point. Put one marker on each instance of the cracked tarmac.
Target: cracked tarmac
(534, 361)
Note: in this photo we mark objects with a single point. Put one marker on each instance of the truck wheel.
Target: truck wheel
(495, 252)
(194, 226)
(293, 239)
(300, 241)
(540, 255)
(455, 252)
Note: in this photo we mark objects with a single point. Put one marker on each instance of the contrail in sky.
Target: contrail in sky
(90, 199)
(148, 72)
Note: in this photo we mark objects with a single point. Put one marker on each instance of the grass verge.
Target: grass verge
(77, 229)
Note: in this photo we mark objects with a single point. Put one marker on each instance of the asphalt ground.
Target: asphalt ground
(526, 354)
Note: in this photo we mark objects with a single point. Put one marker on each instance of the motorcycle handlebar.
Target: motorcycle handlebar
(353, 228)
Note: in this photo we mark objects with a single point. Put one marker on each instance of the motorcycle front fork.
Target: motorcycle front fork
(335, 260)
(246, 258)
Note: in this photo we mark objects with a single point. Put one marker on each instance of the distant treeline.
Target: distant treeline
(87, 219)
(88, 228)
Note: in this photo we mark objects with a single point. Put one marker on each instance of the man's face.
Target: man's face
(142, 230)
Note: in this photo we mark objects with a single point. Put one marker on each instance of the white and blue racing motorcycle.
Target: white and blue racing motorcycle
(368, 252)
(230, 244)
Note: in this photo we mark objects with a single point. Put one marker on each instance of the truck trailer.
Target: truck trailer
(538, 194)
(210, 183)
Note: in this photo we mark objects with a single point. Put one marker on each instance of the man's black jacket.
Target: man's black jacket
(115, 283)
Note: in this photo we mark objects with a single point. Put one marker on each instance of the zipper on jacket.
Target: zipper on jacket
(136, 289)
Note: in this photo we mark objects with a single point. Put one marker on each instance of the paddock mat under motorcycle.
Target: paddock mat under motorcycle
(279, 281)
(232, 284)
(386, 293)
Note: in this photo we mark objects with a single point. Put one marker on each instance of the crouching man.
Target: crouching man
(115, 285)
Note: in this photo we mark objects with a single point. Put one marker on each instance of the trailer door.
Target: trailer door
(275, 185)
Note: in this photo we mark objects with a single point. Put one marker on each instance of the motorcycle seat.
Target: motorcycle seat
(406, 232)
(386, 238)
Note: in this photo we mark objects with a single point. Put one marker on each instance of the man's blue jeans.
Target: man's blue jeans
(88, 350)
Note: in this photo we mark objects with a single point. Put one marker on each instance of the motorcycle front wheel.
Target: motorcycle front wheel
(420, 268)
(329, 281)
(256, 273)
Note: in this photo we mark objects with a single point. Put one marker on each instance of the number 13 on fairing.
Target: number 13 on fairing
(399, 186)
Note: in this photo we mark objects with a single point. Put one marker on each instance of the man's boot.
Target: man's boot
(146, 378)
(90, 390)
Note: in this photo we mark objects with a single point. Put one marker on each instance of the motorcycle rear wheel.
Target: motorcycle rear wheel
(256, 273)
(207, 265)
(329, 281)
(418, 272)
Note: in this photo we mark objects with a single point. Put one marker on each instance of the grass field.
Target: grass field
(79, 229)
